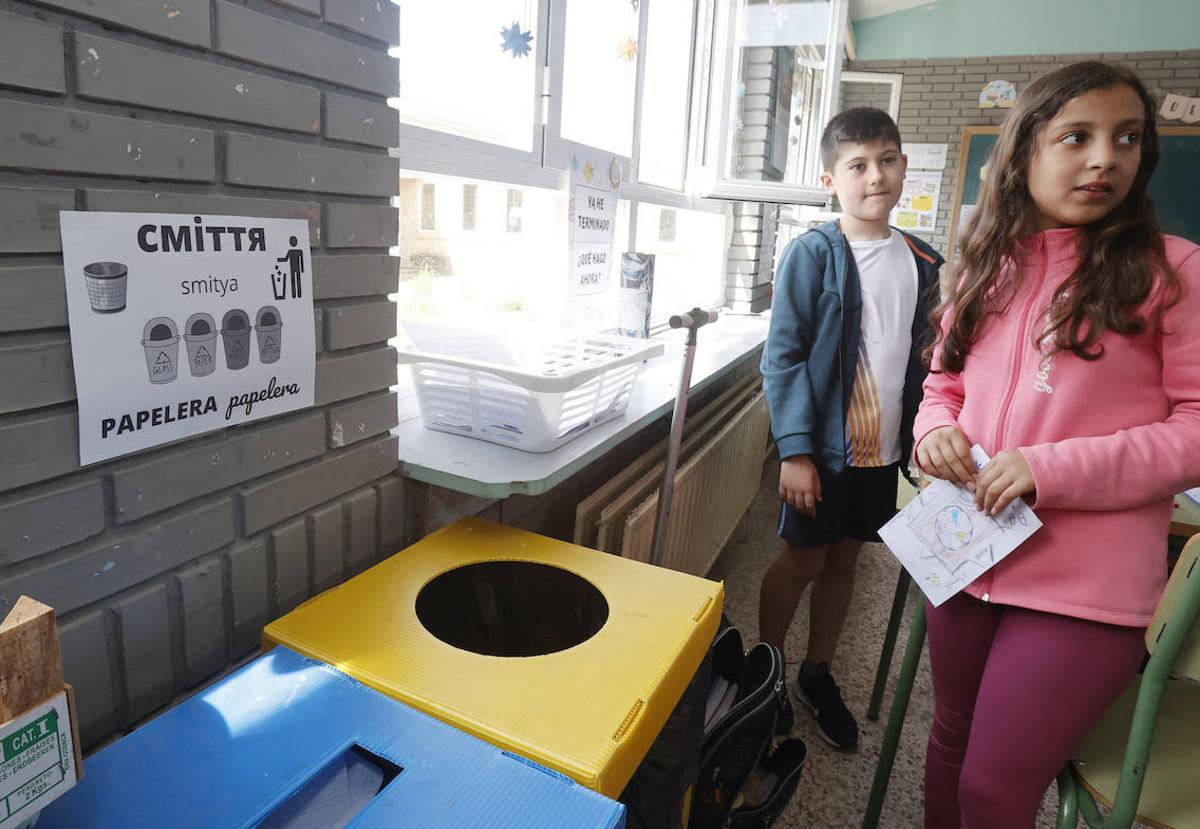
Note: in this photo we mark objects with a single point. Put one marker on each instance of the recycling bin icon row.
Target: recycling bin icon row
(160, 339)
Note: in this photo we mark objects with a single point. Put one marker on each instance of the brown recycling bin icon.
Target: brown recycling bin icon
(269, 329)
(200, 335)
(235, 333)
(161, 342)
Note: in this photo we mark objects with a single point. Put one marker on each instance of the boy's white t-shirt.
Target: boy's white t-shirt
(887, 273)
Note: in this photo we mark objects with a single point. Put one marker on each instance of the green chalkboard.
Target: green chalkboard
(1176, 182)
(1175, 187)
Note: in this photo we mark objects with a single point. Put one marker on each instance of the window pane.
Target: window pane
(428, 207)
(666, 225)
(689, 267)
(457, 78)
(513, 214)
(599, 74)
(511, 269)
(665, 93)
(860, 94)
(470, 191)
(774, 129)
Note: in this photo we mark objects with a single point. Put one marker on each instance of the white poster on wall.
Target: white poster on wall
(916, 211)
(184, 324)
(592, 219)
(926, 156)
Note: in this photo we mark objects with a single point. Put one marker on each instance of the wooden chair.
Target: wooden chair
(1141, 759)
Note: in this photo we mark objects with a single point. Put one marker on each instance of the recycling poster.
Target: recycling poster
(183, 324)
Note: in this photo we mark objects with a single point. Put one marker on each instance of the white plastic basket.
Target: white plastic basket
(536, 394)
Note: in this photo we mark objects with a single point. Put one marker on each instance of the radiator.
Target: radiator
(600, 518)
(712, 491)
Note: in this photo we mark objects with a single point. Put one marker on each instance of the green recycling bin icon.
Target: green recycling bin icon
(160, 339)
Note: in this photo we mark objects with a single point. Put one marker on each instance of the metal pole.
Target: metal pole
(693, 321)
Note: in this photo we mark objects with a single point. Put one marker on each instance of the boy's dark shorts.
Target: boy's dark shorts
(854, 504)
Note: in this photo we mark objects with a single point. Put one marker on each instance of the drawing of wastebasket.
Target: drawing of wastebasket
(235, 333)
(161, 341)
(106, 286)
(269, 328)
(200, 336)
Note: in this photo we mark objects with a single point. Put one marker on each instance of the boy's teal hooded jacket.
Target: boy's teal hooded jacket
(811, 352)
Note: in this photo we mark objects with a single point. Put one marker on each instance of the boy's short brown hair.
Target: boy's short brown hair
(858, 125)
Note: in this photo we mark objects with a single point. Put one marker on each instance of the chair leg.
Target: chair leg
(891, 736)
(1068, 800)
(889, 643)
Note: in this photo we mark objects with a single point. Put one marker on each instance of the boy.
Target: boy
(842, 372)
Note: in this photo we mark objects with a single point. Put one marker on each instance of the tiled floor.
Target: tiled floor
(833, 790)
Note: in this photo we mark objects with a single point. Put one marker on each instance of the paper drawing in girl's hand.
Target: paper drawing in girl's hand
(944, 540)
(953, 528)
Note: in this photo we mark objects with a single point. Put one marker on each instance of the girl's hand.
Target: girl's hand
(800, 484)
(1004, 478)
(945, 453)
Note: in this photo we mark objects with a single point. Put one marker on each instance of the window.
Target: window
(469, 192)
(871, 89)
(513, 214)
(428, 208)
(689, 270)
(600, 60)
(662, 153)
(493, 128)
(470, 69)
(775, 73)
(666, 225)
(491, 276)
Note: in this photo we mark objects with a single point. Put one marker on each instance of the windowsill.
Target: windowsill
(489, 470)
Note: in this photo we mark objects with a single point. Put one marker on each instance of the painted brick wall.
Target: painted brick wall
(940, 97)
(163, 566)
(751, 257)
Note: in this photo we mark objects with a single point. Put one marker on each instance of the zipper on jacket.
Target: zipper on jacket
(1018, 344)
(987, 579)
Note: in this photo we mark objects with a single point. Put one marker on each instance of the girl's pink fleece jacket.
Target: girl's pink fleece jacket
(1109, 441)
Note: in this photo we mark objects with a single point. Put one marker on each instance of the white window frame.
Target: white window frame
(711, 180)
(427, 150)
(425, 202)
(557, 151)
(713, 56)
(895, 80)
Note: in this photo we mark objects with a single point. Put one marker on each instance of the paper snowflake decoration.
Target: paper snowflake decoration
(515, 41)
(627, 49)
(588, 172)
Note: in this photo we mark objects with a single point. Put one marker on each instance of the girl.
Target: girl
(1069, 351)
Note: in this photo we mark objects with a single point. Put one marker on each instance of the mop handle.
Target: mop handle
(693, 320)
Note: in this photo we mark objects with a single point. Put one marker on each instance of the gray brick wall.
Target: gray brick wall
(750, 262)
(940, 97)
(163, 566)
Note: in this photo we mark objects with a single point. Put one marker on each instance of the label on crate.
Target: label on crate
(37, 760)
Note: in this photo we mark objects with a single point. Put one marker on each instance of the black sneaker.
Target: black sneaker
(816, 689)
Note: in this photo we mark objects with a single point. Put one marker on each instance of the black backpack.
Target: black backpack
(743, 783)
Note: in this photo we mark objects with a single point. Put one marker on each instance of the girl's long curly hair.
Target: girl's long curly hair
(1121, 257)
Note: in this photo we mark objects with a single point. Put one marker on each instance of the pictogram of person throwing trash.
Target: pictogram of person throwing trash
(295, 261)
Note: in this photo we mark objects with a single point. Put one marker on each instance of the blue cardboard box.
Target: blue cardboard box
(287, 738)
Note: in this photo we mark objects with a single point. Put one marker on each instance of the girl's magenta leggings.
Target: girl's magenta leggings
(1015, 691)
